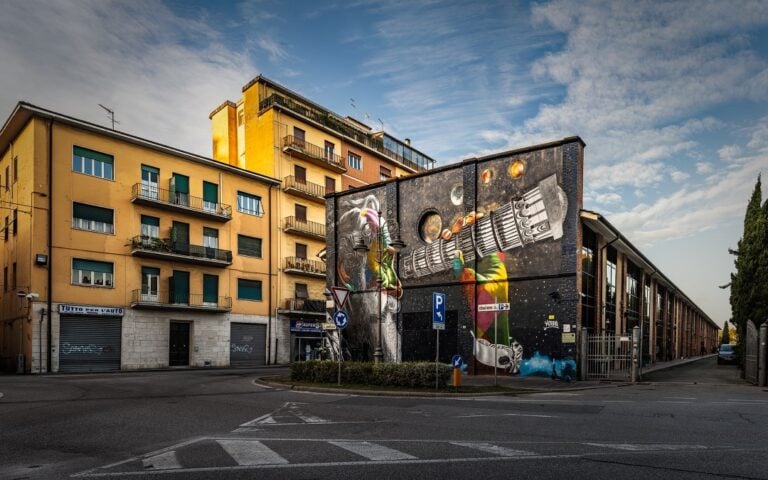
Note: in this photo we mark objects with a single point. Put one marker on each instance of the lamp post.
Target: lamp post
(396, 244)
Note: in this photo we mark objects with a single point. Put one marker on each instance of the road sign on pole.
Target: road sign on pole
(493, 307)
(341, 319)
(340, 296)
(438, 311)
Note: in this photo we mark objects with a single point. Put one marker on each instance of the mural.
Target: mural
(501, 230)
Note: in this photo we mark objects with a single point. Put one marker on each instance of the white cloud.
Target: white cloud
(160, 73)
(704, 168)
(678, 176)
(729, 152)
(275, 51)
(607, 198)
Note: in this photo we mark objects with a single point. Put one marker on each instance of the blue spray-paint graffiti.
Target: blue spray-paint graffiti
(544, 365)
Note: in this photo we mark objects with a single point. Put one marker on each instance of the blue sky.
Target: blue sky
(670, 97)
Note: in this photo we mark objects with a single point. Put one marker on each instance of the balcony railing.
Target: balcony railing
(304, 227)
(303, 266)
(165, 248)
(313, 152)
(305, 305)
(178, 201)
(309, 190)
(338, 125)
(170, 300)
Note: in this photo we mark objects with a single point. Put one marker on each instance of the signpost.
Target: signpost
(341, 320)
(340, 296)
(438, 323)
(495, 308)
(456, 362)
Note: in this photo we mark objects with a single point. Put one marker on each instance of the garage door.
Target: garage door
(89, 344)
(247, 345)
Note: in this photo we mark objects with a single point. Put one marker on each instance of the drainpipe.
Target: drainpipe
(50, 241)
(269, 301)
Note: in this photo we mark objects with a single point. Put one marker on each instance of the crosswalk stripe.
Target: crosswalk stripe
(629, 447)
(373, 451)
(494, 449)
(164, 461)
(251, 452)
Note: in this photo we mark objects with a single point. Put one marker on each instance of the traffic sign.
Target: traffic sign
(456, 361)
(438, 311)
(493, 307)
(328, 326)
(341, 319)
(340, 295)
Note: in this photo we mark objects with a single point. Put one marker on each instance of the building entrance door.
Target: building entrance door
(178, 349)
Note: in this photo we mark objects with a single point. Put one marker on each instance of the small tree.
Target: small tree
(726, 333)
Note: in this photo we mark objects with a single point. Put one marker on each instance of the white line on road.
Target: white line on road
(251, 452)
(737, 400)
(494, 449)
(673, 401)
(476, 415)
(647, 446)
(164, 461)
(681, 398)
(373, 451)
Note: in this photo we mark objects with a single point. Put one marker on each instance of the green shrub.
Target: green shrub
(407, 374)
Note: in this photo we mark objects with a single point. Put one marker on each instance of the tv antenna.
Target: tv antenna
(111, 115)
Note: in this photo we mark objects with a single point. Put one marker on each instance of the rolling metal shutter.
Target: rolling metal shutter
(89, 344)
(247, 345)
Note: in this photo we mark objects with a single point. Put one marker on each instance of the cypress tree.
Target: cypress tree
(726, 334)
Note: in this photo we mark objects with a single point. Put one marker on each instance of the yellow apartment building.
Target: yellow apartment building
(276, 132)
(122, 253)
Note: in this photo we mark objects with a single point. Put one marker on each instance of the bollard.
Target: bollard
(457, 377)
(583, 345)
(635, 373)
(762, 356)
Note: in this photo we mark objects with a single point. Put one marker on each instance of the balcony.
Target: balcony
(166, 249)
(304, 306)
(313, 153)
(167, 300)
(180, 202)
(302, 266)
(304, 228)
(308, 190)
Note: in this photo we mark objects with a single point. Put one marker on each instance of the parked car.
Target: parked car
(726, 354)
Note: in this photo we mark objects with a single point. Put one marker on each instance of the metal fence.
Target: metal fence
(751, 353)
(609, 357)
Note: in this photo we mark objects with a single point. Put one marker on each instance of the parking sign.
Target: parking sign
(438, 311)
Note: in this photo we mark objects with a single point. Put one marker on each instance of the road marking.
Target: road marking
(164, 461)
(251, 452)
(476, 415)
(290, 412)
(312, 419)
(630, 447)
(494, 449)
(563, 394)
(681, 398)
(736, 400)
(673, 401)
(373, 451)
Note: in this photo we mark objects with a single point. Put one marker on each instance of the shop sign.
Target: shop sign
(302, 326)
(90, 310)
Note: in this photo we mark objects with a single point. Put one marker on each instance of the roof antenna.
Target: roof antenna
(111, 114)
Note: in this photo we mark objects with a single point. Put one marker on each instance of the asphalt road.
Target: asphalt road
(220, 424)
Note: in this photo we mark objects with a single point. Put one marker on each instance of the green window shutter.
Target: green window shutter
(210, 192)
(210, 288)
(181, 183)
(92, 266)
(250, 246)
(150, 271)
(89, 212)
(248, 289)
(147, 168)
(147, 220)
(102, 157)
(210, 232)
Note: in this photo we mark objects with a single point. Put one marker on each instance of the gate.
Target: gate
(751, 353)
(609, 357)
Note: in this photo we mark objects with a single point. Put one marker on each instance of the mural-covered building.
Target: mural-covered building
(503, 229)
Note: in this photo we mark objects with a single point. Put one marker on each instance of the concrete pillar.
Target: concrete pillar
(583, 346)
(762, 355)
(635, 373)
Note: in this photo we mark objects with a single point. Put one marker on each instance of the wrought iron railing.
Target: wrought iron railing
(179, 199)
(170, 297)
(312, 150)
(309, 188)
(305, 305)
(167, 245)
(304, 265)
(311, 228)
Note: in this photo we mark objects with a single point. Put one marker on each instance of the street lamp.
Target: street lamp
(396, 244)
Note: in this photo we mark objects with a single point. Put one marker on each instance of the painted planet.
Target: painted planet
(486, 176)
(517, 169)
(457, 195)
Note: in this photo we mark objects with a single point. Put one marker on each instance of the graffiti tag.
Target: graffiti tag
(241, 348)
(90, 349)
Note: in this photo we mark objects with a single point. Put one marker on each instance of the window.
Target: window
(150, 177)
(90, 272)
(150, 227)
(180, 189)
(610, 290)
(90, 162)
(633, 293)
(301, 251)
(330, 185)
(301, 291)
(150, 281)
(249, 246)
(7, 178)
(329, 148)
(300, 173)
(301, 213)
(14, 281)
(299, 136)
(240, 118)
(385, 173)
(14, 221)
(93, 219)
(354, 161)
(210, 197)
(588, 280)
(15, 168)
(7, 227)
(250, 204)
(210, 237)
(248, 289)
(210, 290)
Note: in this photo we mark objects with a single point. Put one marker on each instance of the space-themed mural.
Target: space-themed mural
(489, 231)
